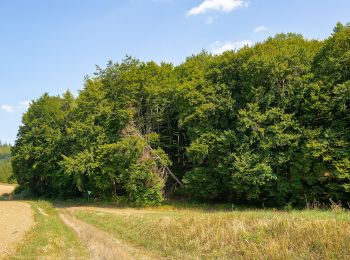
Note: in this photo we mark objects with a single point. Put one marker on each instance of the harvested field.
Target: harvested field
(15, 219)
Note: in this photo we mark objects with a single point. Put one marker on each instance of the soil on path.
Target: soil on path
(15, 219)
(6, 188)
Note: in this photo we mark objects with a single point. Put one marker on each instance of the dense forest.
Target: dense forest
(267, 124)
(5, 164)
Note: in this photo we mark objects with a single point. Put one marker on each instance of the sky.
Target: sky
(49, 46)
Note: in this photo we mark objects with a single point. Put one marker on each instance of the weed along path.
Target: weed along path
(15, 219)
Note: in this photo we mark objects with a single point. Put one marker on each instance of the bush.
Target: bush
(143, 185)
(202, 184)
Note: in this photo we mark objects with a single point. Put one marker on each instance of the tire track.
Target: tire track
(100, 244)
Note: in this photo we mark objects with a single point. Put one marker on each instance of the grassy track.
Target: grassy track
(50, 238)
(192, 234)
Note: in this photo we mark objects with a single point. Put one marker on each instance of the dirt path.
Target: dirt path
(100, 244)
(6, 188)
(15, 219)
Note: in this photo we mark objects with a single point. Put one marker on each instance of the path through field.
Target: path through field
(15, 219)
(100, 244)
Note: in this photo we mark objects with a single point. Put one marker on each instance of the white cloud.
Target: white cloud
(7, 108)
(22, 106)
(219, 47)
(260, 29)
(217, 5)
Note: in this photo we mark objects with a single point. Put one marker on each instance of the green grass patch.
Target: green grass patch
(195, 234)
(50, 238)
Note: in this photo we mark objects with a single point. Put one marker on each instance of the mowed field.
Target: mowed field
(41, 230)
(15, 219)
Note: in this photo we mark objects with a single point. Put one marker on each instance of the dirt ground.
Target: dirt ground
(15, 219)
(6, 188)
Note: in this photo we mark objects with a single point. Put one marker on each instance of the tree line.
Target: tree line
(267, 124)
(5, 164)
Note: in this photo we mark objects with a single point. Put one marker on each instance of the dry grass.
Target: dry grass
(250, 234)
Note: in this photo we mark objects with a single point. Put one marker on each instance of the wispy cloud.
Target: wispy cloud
(260, 28)
(22, 106)
(217, 5)
(8, 108)
(219, 47)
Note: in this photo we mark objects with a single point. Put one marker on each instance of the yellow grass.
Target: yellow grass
(252, 234)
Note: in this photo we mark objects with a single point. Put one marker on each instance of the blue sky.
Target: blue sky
(49, 46)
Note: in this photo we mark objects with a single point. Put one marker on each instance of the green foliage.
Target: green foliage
(143, 184)
(40, 146)
(68, 147)
(281, 135)
(202, 183)
(5, 164)
(333, 60)
(267, 124)
(197, 152)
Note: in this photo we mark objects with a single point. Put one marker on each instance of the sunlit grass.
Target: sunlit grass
(268, 234)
